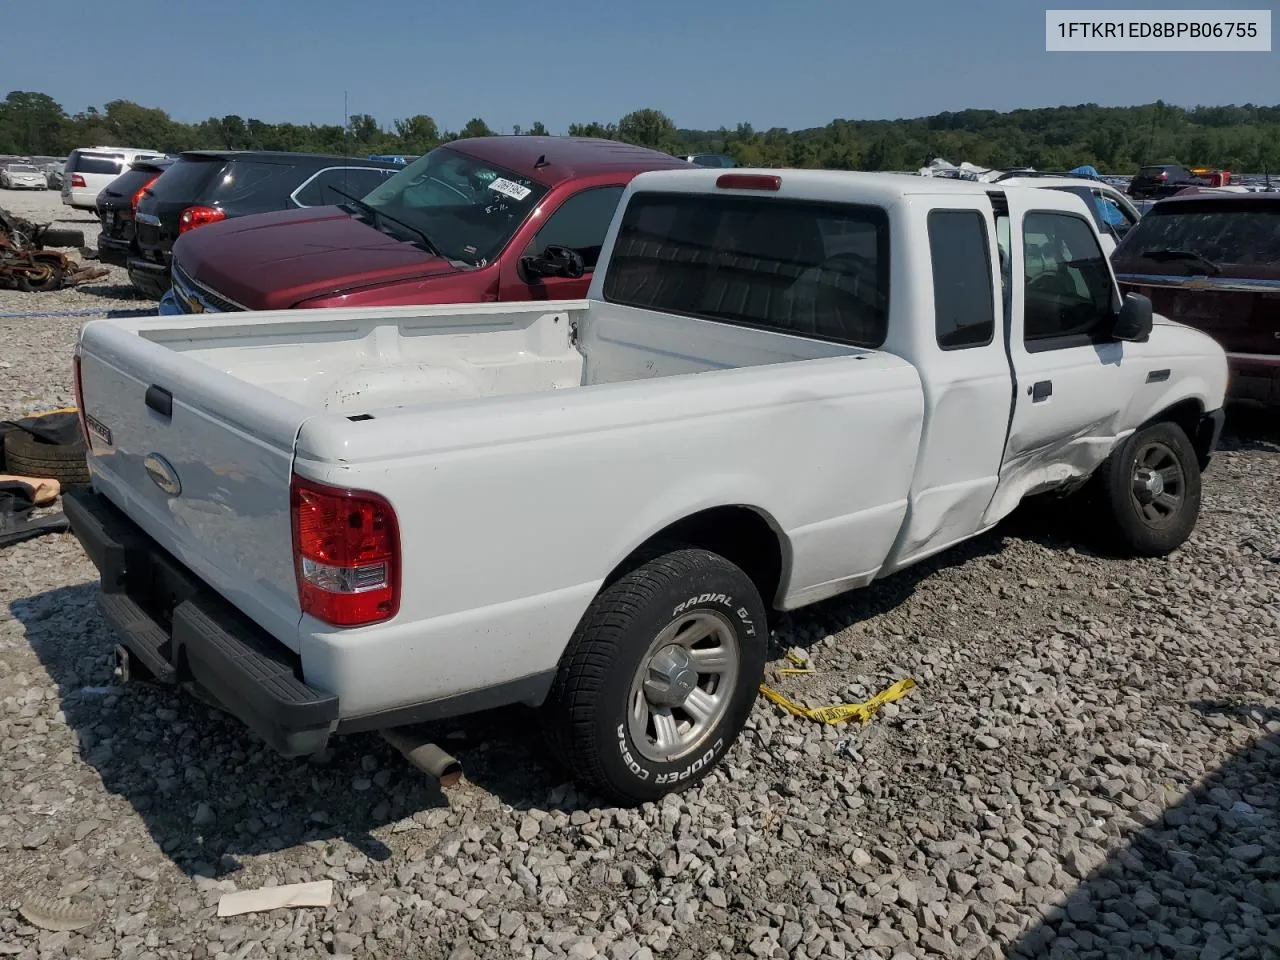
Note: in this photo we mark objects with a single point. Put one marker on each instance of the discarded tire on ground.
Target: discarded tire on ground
(61, 237)
(29, 456)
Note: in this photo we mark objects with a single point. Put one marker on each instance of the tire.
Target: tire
(1151, 488)
(62, 237)
(28, 456)
(592, 716)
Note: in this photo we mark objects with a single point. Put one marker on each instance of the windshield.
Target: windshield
(1236, 236)
(22, 168)
(469, 209)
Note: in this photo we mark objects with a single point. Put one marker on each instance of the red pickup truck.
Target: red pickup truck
(481, 219)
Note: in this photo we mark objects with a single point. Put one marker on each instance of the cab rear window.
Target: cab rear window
(816, 270)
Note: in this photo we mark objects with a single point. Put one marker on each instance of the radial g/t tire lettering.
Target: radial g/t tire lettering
(659, 677)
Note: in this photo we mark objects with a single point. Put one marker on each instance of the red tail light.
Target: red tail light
(748, 181)
(141, 190)
(346, 553)
(80, 412)
(193, 217)
(1162, 175)
(77, 180)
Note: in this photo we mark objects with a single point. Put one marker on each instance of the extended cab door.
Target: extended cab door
(1072, 381)
(579, 223)
(951, 327)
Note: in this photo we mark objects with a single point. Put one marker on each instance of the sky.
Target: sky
(705, 63)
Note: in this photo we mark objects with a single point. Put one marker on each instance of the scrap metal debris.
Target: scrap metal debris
(27, 265)
(318, 893)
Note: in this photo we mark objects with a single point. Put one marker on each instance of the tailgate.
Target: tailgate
(201, 461)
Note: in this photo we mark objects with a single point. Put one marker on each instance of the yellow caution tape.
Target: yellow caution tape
(843, 711)
(795, 658)
(50, 413)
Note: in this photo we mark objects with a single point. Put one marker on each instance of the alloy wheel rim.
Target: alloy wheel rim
(683, 686)
(1158, 485)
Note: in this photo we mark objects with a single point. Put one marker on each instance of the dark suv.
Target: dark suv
(1213, 262)
(1162, 180)
(206, 186)
(117, 204)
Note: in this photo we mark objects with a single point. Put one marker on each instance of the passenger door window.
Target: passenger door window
(1113, 216)
(1069, 293)
(580, 224)
(321, 189)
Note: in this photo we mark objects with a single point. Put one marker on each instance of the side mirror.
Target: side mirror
(554, 261)
(1133, 322)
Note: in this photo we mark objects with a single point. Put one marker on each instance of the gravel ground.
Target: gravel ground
(1089, 768)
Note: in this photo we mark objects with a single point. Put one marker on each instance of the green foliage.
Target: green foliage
(1113, 139)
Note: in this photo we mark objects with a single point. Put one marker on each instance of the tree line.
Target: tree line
(1114, 139)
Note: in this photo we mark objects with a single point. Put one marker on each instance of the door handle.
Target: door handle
(1041, 390)
(160, 400)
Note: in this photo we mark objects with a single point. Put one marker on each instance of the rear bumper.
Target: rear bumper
(1255, 377)
(114, 251)
(181, 631)
(150, 279)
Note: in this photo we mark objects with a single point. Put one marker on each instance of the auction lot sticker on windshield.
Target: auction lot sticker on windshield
(508, 189)
(1157, 31)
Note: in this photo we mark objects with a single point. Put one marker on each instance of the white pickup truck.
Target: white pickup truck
(782, 385)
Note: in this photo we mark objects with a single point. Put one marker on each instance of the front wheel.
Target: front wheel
(1151, 488)
(659, 677)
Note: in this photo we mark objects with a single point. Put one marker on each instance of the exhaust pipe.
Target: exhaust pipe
(427, 757)
(124, 668)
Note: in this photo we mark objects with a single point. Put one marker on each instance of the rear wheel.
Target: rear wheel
(659, 677)
(1151, 488)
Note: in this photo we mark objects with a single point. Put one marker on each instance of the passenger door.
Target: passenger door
(1071, 379)
(579, 223)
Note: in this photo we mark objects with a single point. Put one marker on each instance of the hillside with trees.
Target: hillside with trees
(1113, 139)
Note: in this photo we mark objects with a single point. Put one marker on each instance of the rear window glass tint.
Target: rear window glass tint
(242, 179)
(818, 270)
(187, 180)
(94, 163)
(1242, 237)
(128, 183)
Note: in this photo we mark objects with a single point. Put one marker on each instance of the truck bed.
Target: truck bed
(366, 363)
(524, 463)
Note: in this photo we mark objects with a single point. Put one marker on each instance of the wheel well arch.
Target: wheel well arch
(1189, 415)
(745, 536)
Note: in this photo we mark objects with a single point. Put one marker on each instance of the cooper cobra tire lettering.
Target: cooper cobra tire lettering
(634, 767)
(705, 760)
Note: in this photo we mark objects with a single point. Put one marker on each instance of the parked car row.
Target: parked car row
(49, 168)
(488, 218)
(23, 176)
